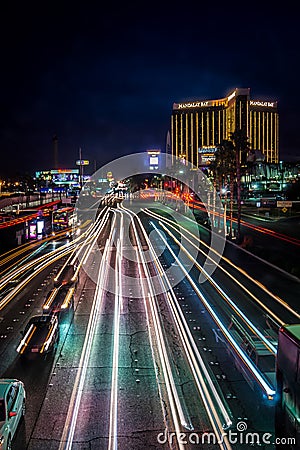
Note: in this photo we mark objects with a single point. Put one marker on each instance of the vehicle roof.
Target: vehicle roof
(45, 318)
(4, 385)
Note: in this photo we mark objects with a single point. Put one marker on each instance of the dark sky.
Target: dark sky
(105, 78)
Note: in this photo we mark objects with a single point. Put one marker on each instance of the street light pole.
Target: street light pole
(80, 168)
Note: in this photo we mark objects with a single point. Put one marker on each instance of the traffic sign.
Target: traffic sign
(82, 162)
(284, 204)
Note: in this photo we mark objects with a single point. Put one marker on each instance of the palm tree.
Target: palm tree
(241, 147)
(225, 169)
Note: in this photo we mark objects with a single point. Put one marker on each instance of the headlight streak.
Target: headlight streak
(12, 254)
(26, 339)
(113, 418)
(62, 250)
(68, 298)
(145, 296)
(50, 258)
(270, 391)
(25, 258)
(37, 270)
(96, 232)
(158, 381)
(186, 339)
(175, 404)
(66, 440)
(32, 263)
(51, 298)
(260, 285)
(218, 288)
(49, 338)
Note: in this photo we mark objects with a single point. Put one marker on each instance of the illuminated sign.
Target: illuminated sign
(32, 231)
(207, 155)
(153, 159)
(59, 176)
(153, 152)
(40, 226)
(201, 104)
(55, 171)
(82, 162)
(193, 105)
(259, 103)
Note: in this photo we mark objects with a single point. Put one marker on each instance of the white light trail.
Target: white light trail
(239, 269)
(66, 440)
(270, 391)
(113, 422)
(190, 347)
(175, 405)
(235, 308)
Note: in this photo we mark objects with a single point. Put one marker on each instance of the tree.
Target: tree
(241, 147)
(225, 156)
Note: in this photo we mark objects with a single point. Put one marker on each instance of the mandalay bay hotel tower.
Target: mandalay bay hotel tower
(198, 127)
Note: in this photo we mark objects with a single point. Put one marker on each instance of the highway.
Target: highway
(171, 343)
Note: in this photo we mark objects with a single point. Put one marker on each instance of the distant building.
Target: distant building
(198, 127)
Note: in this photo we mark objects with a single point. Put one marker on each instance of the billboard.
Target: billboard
(206, 155)
(59, 176)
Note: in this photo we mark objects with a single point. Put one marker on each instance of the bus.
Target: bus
(287, 416)
(64, 218)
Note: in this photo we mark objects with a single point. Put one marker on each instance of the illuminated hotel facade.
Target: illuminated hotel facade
(198, 127)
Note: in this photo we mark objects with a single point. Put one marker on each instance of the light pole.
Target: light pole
(80, 169)
(81, 163)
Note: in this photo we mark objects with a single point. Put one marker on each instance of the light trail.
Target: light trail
(283, 237)
(113, 422)
(67, 437)
(239, 269)
(13, 253)
(26, 339)
(267, 388)
(192, 350)
(39, 268)
(175, 406)
(38, 264)
(182, 330)
(218, 288)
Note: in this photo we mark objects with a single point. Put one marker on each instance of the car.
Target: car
(59, 300)
(40, 337)
(12, 409)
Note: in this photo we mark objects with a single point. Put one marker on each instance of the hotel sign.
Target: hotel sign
(200, 104)
(193, 105)
(264, 104)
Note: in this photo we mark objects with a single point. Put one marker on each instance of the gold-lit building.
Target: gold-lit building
(198, 127)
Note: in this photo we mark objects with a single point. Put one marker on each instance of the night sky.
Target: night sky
(105, 78)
